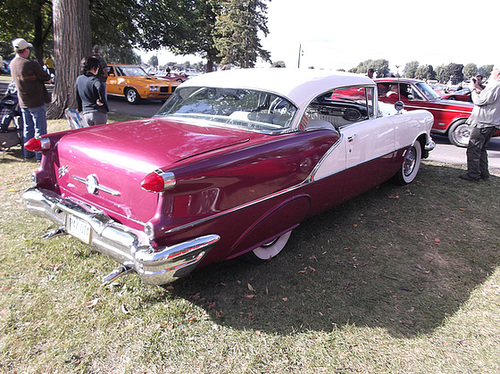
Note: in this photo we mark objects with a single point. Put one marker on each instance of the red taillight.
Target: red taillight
(158, 181)
(37, 144)
(33, 145)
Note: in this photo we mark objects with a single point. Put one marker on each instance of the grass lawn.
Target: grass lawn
(397, 280)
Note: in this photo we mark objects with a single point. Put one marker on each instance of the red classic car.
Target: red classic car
(231, 164)
(461, 95)
(449, 115)
(173, 77)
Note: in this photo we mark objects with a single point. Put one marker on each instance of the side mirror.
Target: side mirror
(399, 105)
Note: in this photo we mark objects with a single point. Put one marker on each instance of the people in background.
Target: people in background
(30, 78)
(103, 67)
(485, 121)
(91, 93)
(49, 63)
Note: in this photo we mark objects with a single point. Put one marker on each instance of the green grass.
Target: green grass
(398, 280)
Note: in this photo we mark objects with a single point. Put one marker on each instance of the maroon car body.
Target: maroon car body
(449, 115)
(231, 164)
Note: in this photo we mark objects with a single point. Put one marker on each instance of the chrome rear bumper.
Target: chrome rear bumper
(127, 246)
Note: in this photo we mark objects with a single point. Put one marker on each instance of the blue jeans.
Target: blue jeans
(35, 124)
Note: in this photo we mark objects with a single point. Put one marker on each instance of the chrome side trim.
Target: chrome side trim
(439, 109)
(309, 179)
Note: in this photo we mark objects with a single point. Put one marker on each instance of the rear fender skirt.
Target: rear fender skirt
(280, 219)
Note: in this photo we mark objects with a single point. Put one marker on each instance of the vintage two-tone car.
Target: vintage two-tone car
(449, 115)
(133, 83)
(230, 165)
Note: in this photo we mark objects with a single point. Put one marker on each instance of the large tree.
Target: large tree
(71, 43)
(237, 27)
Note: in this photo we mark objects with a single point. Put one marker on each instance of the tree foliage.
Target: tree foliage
(410, 69)
(114, 23)
(485, 70)
(470, 70)
(425, 72)
(237, 27)
(380, 67)
(28, 19)
(184, 27)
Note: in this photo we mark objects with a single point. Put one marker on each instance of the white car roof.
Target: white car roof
(299, 86)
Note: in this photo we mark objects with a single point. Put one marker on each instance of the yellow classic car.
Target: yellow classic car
(132, 82)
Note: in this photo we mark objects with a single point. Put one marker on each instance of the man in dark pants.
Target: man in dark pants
(485, 121)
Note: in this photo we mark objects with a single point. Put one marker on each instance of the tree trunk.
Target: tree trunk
(72, 42)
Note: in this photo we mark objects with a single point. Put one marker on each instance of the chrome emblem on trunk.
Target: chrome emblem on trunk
(93, 186)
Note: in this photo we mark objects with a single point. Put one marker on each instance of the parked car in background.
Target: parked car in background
(449, 115)
(133, 83)
(231, 164)
(173, 77)
(461, 95)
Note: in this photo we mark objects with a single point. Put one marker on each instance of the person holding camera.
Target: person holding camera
(485, 121)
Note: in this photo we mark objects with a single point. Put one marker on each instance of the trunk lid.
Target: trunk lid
(104, 165)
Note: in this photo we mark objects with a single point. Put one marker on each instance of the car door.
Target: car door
(112, 81)
(369, 149)
(365, 151)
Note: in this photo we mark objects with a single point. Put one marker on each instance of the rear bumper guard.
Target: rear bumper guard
(127, 246)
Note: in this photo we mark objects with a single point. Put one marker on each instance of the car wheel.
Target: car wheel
(411, 165)
(459, 133)
(267, 251)
(132, 96)
(451, 98)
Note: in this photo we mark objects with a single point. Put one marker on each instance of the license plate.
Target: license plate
(78, 228)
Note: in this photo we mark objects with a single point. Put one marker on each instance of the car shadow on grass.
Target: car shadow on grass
(397, 258)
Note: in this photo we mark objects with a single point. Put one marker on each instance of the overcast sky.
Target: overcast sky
(339, 34)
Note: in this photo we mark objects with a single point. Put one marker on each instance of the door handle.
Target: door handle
(352, 137)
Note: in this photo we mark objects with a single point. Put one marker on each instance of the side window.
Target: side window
(382, 88)
(341, 107)
(415, 95)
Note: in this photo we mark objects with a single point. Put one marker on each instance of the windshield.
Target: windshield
(133, 71)
(428, 92)
(253, 110)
